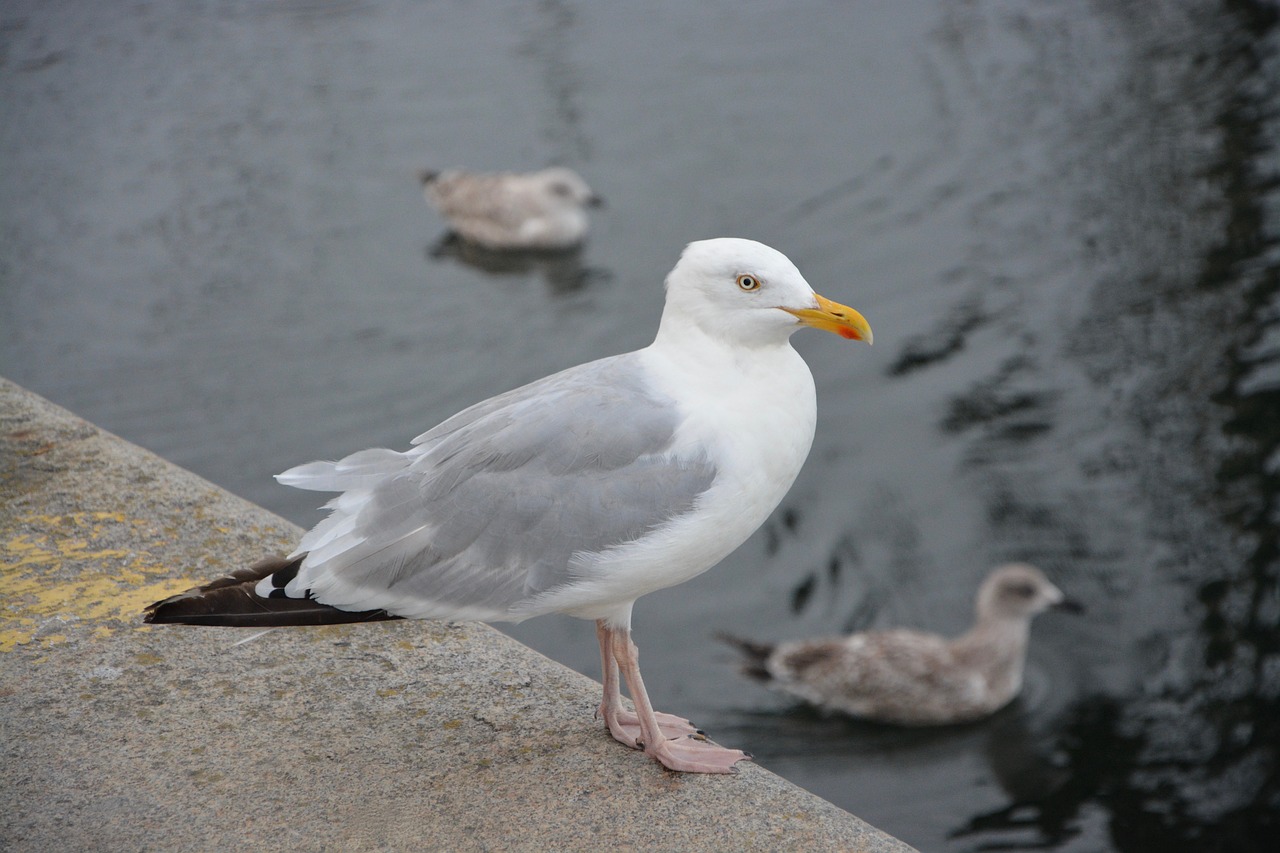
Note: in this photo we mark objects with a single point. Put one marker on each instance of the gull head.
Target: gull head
(746, 292)
(563, 187)
(1019, 591)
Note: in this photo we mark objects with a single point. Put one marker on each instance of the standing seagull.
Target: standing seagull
(577, 493)
(910, 678)
(535, 211)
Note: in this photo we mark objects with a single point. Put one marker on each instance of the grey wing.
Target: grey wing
(494, 503)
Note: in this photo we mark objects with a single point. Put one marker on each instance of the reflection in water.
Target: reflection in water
(1064, 213)
(941, 343)
(1048, 789)
(549, 45)
(561, 269)
(886, 530)
(1191, 761)
(1010, 412)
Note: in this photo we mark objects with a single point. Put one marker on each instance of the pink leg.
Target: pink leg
(671, 744)
(623, 724)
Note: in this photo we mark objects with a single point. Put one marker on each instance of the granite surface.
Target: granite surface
(117, 735)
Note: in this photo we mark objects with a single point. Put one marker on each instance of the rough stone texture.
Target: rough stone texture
(121, 736)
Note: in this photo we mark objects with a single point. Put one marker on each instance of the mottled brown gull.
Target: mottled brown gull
(911, 678)
(577, 493)
(508, 210)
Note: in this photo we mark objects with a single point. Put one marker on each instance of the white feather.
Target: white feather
(582, 491)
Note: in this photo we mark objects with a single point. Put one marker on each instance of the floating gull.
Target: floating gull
(534, 211)
(577, 493)
(911, 678)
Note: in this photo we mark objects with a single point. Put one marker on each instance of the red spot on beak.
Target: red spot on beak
(848, 334)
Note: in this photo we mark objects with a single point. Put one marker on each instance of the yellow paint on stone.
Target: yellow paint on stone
(110, 586)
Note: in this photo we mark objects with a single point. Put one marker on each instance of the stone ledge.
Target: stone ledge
(385, 736)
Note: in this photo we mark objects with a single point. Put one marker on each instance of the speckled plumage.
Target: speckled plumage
(539, 210)
(913, 678)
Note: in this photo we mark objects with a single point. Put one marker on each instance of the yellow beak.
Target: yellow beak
(834, 317)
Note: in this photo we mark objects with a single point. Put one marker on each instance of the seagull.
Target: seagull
(577, 493)
(911, 678)
(544, 210)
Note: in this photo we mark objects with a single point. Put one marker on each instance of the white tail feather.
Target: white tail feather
(359, 470)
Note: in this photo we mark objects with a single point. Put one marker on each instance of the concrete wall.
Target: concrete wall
(120, 736)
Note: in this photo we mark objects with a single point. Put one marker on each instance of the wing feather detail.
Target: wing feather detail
(488, 510)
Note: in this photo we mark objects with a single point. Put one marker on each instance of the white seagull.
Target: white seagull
(910, 678)
(577, 493)
(544, 210)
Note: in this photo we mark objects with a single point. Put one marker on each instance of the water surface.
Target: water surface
(1060, 219)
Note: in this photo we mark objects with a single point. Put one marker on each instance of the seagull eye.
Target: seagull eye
(748, 282)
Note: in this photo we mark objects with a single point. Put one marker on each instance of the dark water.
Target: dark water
(1060, 218)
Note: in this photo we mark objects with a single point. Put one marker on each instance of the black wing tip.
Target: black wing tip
(169, 610)
(157, 611)
(232, 601)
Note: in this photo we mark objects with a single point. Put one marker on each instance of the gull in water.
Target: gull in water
(577, 493)
(545, 210)
(911, 678)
